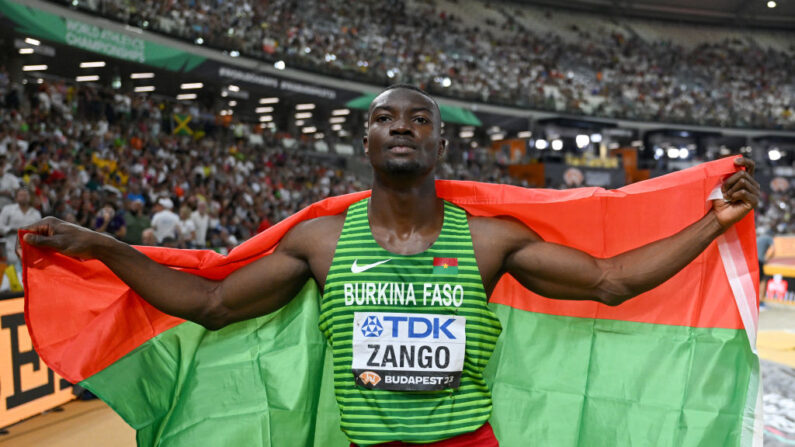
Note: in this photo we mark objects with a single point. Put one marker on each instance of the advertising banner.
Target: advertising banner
(90, 37)
(27, 385)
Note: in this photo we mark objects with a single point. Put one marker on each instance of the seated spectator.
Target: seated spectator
(148, 237)
(111, 222)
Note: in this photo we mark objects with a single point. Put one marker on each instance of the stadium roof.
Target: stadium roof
(753, 13)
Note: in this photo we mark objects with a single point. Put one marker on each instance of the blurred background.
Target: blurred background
(199, 123)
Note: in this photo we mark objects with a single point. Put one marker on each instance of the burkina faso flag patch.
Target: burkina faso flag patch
(445, 266)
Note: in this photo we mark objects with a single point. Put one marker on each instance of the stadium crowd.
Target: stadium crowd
(601, 72)
(110, 161)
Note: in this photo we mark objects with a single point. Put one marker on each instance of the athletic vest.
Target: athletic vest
(410, 335)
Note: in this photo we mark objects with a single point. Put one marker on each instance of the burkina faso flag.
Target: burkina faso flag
(445, 266)
(675, 366)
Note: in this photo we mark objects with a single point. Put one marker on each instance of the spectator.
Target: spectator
(187, 229)
(136, 221)
(13, 217)
(148, 237)
(201, 220)
(165, 222)
(111, 222)
(9, 183)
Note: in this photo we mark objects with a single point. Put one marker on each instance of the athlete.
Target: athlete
(406, 278)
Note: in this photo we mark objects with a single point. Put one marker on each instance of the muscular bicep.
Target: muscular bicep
(557, 271)
(265, 285)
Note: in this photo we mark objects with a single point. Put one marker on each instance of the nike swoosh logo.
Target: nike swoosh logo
(361, 268)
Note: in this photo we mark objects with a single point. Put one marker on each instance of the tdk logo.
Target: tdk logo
(416, 326)
(372, 327)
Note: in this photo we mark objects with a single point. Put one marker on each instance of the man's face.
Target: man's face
(23, 197)
(403, 134)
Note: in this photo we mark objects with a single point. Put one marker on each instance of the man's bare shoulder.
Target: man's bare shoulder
(314, 237)
(494, 239)
(501, 228)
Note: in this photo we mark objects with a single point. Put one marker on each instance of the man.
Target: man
(8, 183)
(13, 217)
(165, 221)
(136, 221)
(110, 222)
(201, 220)
(382, 248)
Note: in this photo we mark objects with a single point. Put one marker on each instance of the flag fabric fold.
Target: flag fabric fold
(675, 366)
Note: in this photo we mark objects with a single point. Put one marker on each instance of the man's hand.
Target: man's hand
(740, 194)
(66, 238)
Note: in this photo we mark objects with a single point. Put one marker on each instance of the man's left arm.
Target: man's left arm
(556, 271)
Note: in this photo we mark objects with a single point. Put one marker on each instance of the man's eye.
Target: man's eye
(382, 118)
(422, 120)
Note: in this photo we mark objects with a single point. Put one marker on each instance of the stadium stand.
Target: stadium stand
(80, 148)
(577, 63)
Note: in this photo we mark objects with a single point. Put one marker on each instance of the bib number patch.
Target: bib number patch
(408, 351)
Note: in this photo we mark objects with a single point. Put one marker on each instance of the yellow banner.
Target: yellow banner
(27, 386)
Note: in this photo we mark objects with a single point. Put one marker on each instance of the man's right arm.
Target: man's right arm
(258, 288)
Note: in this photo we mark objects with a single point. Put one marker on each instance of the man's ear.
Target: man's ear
(442, 148)
(364, 143)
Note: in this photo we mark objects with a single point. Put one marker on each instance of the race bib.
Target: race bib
(408, 351)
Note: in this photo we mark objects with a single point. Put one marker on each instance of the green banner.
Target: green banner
(89, 37)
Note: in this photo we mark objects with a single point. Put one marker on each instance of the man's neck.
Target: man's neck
(406, 208)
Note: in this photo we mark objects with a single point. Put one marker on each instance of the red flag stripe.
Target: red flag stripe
(106, 320)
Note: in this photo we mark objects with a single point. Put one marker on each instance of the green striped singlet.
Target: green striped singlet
(410, 334)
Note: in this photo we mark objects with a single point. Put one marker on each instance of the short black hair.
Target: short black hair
(413, 88)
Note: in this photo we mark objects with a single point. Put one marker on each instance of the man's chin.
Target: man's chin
(404, 167)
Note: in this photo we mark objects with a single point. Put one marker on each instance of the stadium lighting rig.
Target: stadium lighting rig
(303, 115)
(774, 154)
(186, 96)
(304, 107)
(310, 129)
(557, 144)
(142, 75)
(337, 120)
(144, 88)
(191, 86)
(265, 119)
(95, 64)
(26, 51)
(341, 112)
(269, 100)
(279, 65)
(89, 78)
(263, 110)
(771, 4)
(41, 67)
(524, 134)
(32, 41)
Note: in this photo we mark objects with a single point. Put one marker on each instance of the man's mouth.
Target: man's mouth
(401, 149)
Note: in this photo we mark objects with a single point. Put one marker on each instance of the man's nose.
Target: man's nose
(400, 127)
